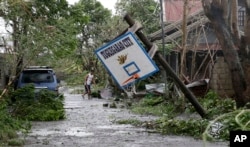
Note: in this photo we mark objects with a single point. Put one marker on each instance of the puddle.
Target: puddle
(122, 132)
(122, 129)
(114, 127)
(43, 132)
(72, 105)
(78, 131)
(74, 131)
(88, 124)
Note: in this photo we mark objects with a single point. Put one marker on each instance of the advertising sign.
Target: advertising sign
(126, 60)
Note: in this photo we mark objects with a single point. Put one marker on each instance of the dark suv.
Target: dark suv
(42, 77)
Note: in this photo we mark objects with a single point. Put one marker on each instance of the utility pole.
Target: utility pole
(164, 74)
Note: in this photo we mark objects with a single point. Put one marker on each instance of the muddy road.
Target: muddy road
(89, 124)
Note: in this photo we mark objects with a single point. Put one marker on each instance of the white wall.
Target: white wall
(4, 33)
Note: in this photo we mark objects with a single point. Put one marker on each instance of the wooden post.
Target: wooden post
(158, 56)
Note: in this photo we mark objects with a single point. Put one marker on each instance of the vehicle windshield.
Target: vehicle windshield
(37, 76)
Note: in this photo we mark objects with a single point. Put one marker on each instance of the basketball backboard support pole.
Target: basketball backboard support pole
(158, 56)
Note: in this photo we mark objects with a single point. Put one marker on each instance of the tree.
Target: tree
(91, 32)
(145, 11)
(223, 21)
(42, 31)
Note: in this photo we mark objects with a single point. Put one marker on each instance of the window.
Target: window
(241, 17)
(37, 77)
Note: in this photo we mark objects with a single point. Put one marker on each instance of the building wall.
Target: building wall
(173, 9)
(220, 81)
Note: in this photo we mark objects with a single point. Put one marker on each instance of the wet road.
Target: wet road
(89, 124)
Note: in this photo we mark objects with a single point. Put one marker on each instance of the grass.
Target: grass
(16, 142)
(154, 106)
(220, 111)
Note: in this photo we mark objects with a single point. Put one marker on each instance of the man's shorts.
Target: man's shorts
(87, 87)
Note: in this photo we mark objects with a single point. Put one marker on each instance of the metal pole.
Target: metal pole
(162, 29)
(163, 48)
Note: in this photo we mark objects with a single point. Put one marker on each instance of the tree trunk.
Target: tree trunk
(235, 24)
(184, 39)
(244, 49)
(221, 20)
(247, 29)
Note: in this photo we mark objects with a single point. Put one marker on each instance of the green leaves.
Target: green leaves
(43, 31)
(224, 117)
(145, 11)
(44, 105)
(236, 120)
(10, 125)
(191, 127)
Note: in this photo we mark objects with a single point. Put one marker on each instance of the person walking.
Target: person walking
(89, 79)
